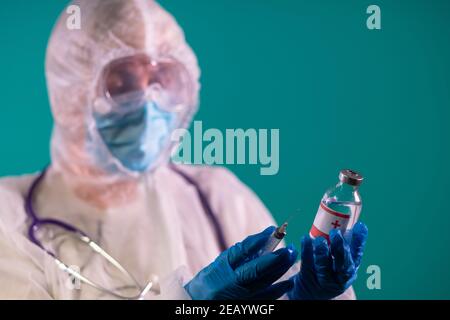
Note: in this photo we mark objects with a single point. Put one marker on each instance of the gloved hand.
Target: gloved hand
(328, 270)
(238, 273)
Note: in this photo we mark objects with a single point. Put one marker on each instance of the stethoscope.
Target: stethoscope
(37, 223)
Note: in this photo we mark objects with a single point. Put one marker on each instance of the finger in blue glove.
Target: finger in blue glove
(275, 291)
(327, 270)
(344, 269)
(358, 242)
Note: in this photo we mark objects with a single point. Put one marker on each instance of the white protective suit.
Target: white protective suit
(153, 224)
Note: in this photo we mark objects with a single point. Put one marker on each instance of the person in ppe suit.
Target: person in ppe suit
(118, 89)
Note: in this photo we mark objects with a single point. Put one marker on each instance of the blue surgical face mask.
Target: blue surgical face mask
(138, 138)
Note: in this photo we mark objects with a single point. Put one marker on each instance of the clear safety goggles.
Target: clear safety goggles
(128, 83)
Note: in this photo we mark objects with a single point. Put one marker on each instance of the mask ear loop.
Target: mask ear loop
(102, 106)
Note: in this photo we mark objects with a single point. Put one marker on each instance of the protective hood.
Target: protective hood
(110, 29)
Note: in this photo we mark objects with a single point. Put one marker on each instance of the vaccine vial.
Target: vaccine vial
(340, 206)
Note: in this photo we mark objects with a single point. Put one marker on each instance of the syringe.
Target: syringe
(274, 239)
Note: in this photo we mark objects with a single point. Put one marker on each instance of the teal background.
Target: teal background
(341, 95)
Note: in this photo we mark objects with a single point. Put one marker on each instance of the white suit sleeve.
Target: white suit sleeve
(20, 277)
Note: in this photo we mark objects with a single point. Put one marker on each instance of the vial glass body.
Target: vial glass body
(345, 199)
(339, 208)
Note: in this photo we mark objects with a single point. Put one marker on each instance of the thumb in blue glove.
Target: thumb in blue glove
(328, 270)
(238, 272)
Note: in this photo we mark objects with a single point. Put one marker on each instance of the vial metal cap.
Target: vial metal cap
(350, 177)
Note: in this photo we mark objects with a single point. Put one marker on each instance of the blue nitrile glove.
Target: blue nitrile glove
(238, 273)
(328, 270)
